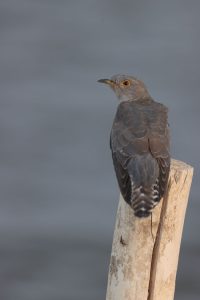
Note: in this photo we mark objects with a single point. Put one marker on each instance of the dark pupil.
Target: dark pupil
(126, 82)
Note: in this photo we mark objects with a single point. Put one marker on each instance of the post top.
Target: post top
(179, 165)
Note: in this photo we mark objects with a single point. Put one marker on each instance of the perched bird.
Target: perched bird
(139, 143)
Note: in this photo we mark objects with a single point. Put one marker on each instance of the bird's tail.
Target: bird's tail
(144, 173)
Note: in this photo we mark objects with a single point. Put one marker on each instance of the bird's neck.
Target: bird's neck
(139, 93)
(140, 99)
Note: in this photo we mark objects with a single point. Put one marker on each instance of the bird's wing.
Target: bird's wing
(159, 143)
(128, 141)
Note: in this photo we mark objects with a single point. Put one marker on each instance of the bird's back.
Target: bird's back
(140, 150)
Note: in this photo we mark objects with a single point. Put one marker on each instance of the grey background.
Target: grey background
(58, 192)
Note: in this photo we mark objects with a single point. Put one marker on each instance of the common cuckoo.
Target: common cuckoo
(139, 142)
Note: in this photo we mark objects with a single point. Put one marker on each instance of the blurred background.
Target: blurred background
(58, 192)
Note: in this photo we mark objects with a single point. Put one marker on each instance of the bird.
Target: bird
(140, 144)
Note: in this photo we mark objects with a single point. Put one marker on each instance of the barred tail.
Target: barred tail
(144, 173)
(143, 200)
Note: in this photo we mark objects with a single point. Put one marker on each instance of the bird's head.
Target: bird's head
(126, 87)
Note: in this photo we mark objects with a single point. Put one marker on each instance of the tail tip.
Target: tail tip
(142, 213)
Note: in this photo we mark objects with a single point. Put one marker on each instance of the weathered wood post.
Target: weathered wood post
(143, 260)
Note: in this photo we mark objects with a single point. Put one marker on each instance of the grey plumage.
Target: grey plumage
(139, 143)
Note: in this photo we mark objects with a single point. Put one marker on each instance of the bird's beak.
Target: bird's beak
(107, 81)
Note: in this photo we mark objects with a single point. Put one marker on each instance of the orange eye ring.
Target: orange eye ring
(126, 83)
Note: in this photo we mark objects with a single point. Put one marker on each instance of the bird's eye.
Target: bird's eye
(126, 83)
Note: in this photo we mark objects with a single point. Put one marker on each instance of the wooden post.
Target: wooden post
(145, 252)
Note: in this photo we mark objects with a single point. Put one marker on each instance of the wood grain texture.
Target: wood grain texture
(142, 266)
